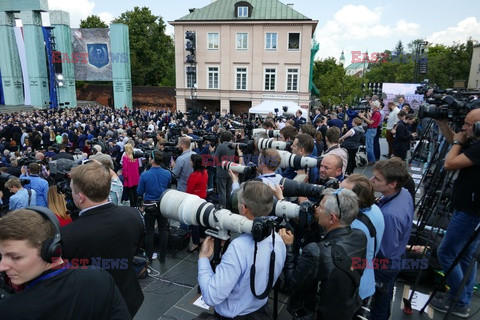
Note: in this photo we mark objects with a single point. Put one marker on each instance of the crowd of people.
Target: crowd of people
(121, 161)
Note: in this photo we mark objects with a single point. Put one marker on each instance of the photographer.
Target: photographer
(370, 221)
(181, 168)
(465, 157)
(53, 289)
(228, 288)
(37, 183)
(23, 197)
(153, 183)
(223, 153)
(373, 120)
(320, 286)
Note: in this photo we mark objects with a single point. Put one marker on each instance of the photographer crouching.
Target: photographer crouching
(320, 279)
(465, 157)
(228, 288)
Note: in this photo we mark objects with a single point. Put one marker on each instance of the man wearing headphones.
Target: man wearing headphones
(152, 184)
(104, 234)
(31, 250)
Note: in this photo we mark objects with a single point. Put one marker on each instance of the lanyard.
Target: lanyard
(48, 276)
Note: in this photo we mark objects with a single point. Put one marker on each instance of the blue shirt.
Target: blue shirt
(20, 200)
(228, 288)
(183, 169)
(367, 282)
(40, 185)
(153, 183)
(397, 210)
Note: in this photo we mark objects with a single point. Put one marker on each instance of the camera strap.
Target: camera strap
(363, 218)
(270, 271)
(29, 196)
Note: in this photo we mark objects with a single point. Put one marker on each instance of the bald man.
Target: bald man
(465, 157)
(331, 167)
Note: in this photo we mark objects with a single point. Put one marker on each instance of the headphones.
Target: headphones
(51, 247)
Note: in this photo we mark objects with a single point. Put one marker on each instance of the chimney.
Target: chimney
(290, 5)
(191, 10)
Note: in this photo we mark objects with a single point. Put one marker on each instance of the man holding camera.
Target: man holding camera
(53, 289)
(223, 153)
(104, 231)
(152, 184)
(323, 287)
(228, 288)
(373, 121)
(465, 157)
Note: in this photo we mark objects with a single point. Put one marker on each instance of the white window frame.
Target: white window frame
(290, 82)
(211, 41)
(236, 78)
(268, 44)
(208, 77)
(242, 12)
(245, 45)
(299, 41)
(270, 79)
(188, 76)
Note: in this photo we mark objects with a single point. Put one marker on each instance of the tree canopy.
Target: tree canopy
(92, 21)
(152, 52)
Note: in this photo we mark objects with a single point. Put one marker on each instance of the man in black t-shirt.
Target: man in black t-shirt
(465, 157)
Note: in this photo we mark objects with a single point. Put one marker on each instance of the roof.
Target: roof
(357, 65)
(262, 10)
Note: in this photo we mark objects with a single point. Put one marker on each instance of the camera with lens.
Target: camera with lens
(290, 160)
(263, 143)
(292, 188)
(362, 105)
(247, 148)
(270, 133)
(449, 107)
(192, 210)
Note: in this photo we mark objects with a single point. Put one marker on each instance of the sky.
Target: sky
(366, 26)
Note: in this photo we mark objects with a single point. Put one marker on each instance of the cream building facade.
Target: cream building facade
(474, 77)
(246, 52)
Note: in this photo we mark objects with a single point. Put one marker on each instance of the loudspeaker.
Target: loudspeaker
(51, 247)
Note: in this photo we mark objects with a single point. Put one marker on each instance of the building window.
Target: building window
(292, 79)
(242, 40)
(242, 12)
(241, 79)
(271, 41)
(191, 76)
(294, 41)
(212, 77)
(213, 41)
(270, 74)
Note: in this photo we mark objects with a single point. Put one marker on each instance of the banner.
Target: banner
(91, 54)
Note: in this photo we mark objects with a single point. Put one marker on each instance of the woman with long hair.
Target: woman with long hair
(197, 184)
(131, 174)
(57, 203)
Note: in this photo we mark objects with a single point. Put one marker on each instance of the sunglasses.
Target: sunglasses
(317, 204)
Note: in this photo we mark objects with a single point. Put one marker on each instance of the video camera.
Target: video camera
(362, 105)
(453, 108)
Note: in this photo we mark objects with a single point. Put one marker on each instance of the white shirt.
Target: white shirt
(392, 118)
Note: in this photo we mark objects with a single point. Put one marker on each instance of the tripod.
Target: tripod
(470, 240)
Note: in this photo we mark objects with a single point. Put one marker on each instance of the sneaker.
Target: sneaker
(443, 304)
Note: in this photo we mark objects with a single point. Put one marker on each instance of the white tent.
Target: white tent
(268, 106)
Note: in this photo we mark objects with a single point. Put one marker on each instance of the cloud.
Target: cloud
(106, 17)
(78, 9)
(407, 28)
(467, 28)
(357, 24)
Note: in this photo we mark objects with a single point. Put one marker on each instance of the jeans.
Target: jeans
(382, 299)
(376, 143)
(370, 137)
(153, 214)
(458, 232)
(132, 195)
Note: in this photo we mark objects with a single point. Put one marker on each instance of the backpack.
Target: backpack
(361, 159)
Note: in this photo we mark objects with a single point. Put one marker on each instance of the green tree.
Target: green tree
(152, 52)
(399, 48)
(335, 87)
(92, 21)
(446, 64)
